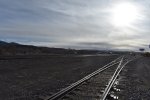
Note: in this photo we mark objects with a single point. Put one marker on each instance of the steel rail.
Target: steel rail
(74, 85)
(113, 79)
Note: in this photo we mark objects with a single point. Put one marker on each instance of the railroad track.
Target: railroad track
(99, 85)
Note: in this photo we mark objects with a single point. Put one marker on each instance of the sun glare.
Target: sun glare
(124, 14)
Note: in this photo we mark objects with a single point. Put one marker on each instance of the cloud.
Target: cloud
(71, 23)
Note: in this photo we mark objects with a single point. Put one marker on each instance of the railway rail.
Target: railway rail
(95, 86)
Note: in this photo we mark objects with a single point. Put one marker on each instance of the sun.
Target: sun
(124, 14)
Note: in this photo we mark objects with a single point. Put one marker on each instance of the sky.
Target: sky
(77, 24)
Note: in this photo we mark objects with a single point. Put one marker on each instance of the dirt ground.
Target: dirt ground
(28, 78)
(135, 82)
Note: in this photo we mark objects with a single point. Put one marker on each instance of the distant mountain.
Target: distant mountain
(13, 43)
(3, 43)
(13, 48)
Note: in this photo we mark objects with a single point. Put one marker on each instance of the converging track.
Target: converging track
(99, 85)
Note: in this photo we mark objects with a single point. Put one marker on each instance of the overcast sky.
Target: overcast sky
(80, 24)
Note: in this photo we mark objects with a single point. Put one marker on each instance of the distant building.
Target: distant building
(141, 49)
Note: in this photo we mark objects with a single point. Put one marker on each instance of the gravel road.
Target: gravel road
(135, 80)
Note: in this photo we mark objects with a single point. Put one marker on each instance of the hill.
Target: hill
(13, 48)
